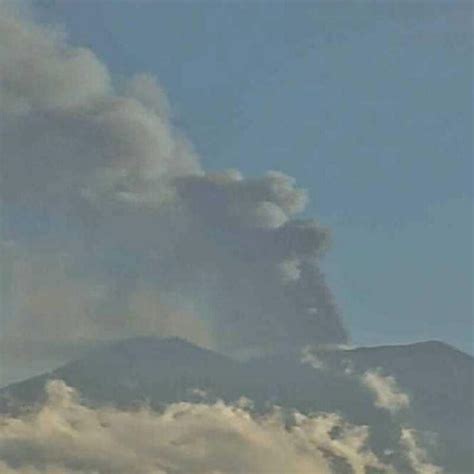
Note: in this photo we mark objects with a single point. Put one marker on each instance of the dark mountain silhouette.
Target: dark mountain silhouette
(437, 378)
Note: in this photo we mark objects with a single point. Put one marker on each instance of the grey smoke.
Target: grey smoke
(110, 227)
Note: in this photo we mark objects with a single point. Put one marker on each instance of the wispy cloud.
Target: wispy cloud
(386, 391)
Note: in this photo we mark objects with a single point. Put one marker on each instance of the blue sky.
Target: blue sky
(367, 104)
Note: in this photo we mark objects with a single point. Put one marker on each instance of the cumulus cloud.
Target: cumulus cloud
(66, 436)
(118, 226)
(388, 395)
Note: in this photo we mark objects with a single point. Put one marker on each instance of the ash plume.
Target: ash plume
(111, 227)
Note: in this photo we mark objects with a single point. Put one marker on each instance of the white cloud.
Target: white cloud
(308, 356)
(387, 393)
(416, 455)
(66, 436)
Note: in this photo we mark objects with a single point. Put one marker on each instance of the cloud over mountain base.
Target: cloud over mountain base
(66, 436)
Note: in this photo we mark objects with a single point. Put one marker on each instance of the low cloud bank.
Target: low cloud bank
(66, 436)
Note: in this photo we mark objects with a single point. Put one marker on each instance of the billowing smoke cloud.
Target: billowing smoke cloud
(111, 228)
(66, 436)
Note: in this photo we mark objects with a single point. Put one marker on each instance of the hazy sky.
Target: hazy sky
(367, 104)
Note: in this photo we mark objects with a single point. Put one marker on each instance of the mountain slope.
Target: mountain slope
(437, 378)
